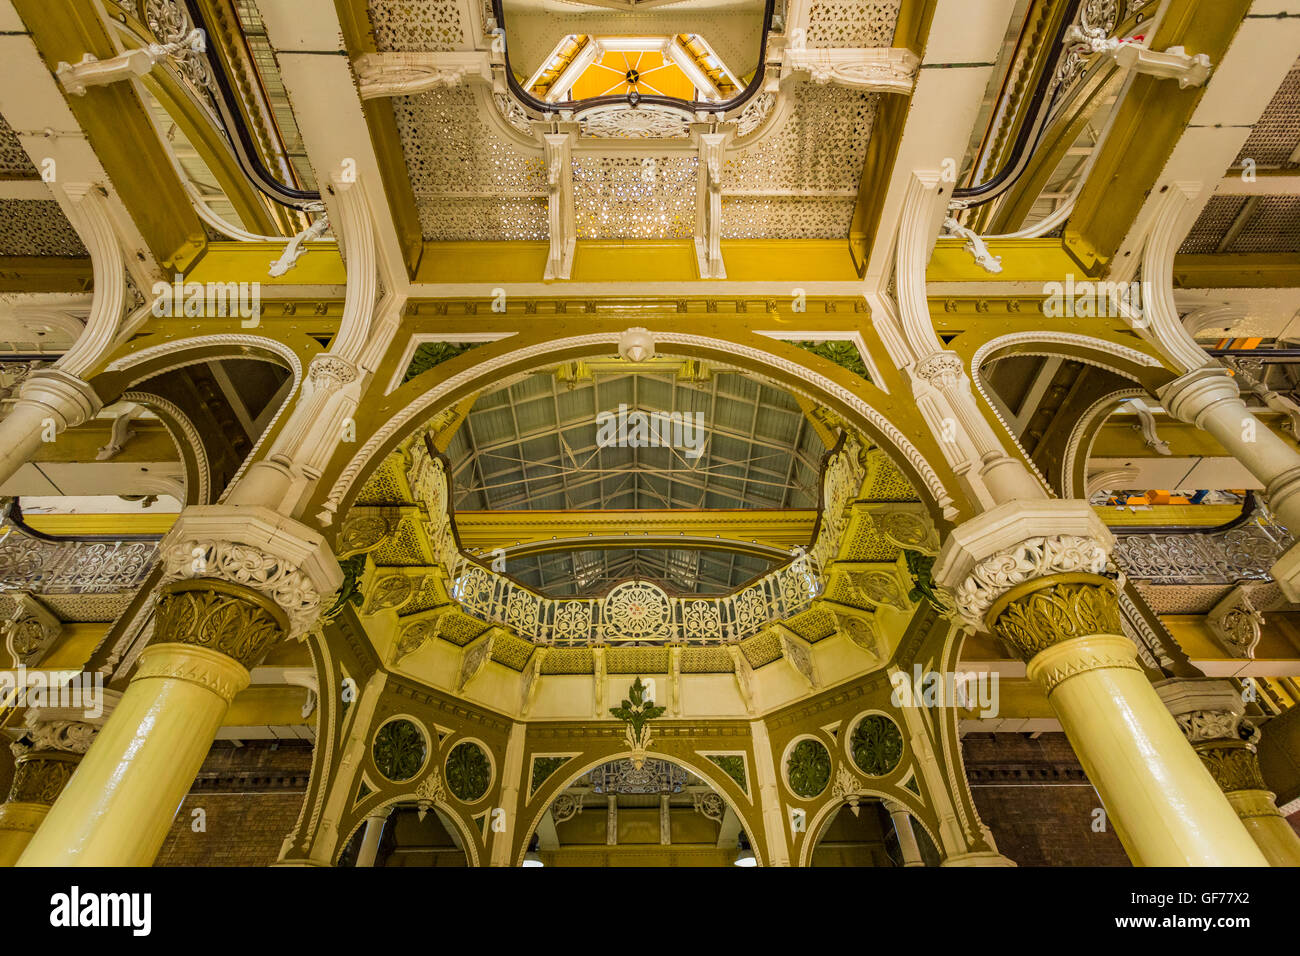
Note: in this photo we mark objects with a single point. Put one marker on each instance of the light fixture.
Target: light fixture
(744, 855)
(533, 858)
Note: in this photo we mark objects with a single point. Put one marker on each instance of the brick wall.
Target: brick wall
(250, 797)
(1038, 802)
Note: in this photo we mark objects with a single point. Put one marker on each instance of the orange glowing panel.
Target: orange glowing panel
(617, 72)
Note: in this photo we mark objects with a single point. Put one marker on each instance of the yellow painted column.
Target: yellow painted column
(119, 805)
(39, 778)
(1165, 806)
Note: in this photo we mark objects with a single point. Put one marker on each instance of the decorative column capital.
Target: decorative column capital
(1192, 396)
(51, 733)
(941, 370)
(1015, 543)
(328, 372)
(258, 549)
(1042, 613)
(227, 618)
(40, 776)
(68, 399)
(1212, 717)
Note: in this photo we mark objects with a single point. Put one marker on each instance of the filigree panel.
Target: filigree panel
(775, 217)
(37, 227)
(852, 23)
(622, 197)
(417, 25)
(818, 147)
(14, 161)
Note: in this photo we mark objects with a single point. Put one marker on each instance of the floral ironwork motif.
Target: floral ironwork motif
(1244, 553)
(622, 776)
(808, 768)
(733, 765)
(637, 711)
(543, 767)
(638, 611)
(469, 772)
(876, 745)
(399, 750)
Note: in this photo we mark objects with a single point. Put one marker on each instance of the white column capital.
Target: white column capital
(988, 555)
(1191, 397)
(259, 549)
(69, 400)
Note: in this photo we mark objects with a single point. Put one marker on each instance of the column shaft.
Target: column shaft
(119, 807)
(374, 832)
(911, 850)
(1163, 803)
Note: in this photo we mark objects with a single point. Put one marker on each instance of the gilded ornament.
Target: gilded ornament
(230, 620)
(1056, 612)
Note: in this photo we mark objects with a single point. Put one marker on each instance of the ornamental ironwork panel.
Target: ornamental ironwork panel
(640, 612)
(1246, 552)
(46, 566)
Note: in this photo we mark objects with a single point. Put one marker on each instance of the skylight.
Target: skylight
(585, 67)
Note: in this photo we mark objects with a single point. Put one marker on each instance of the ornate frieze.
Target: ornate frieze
(1246, 552)
(73, 567)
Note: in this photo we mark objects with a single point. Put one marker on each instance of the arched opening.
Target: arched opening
(661, 814)
(869, 834)
(409, 836)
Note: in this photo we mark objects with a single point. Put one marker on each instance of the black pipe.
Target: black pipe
(237, 131)
(1280, 356)
(633, 98)
(1040, 109)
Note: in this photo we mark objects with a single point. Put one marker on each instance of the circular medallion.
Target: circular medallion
(808, 768)
(637, 610)
(876, 745)
(399, 750)
(469, 772)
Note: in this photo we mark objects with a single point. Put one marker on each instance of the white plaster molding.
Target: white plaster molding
(407, 73)
(90, 214)
(1110, 478)
(708, 207)
(92, 71)
(259, 549)
(1016, 542)
(1160, 313)
(1147, 425)
(559, 204)
(882, 69)
(1074, 445)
